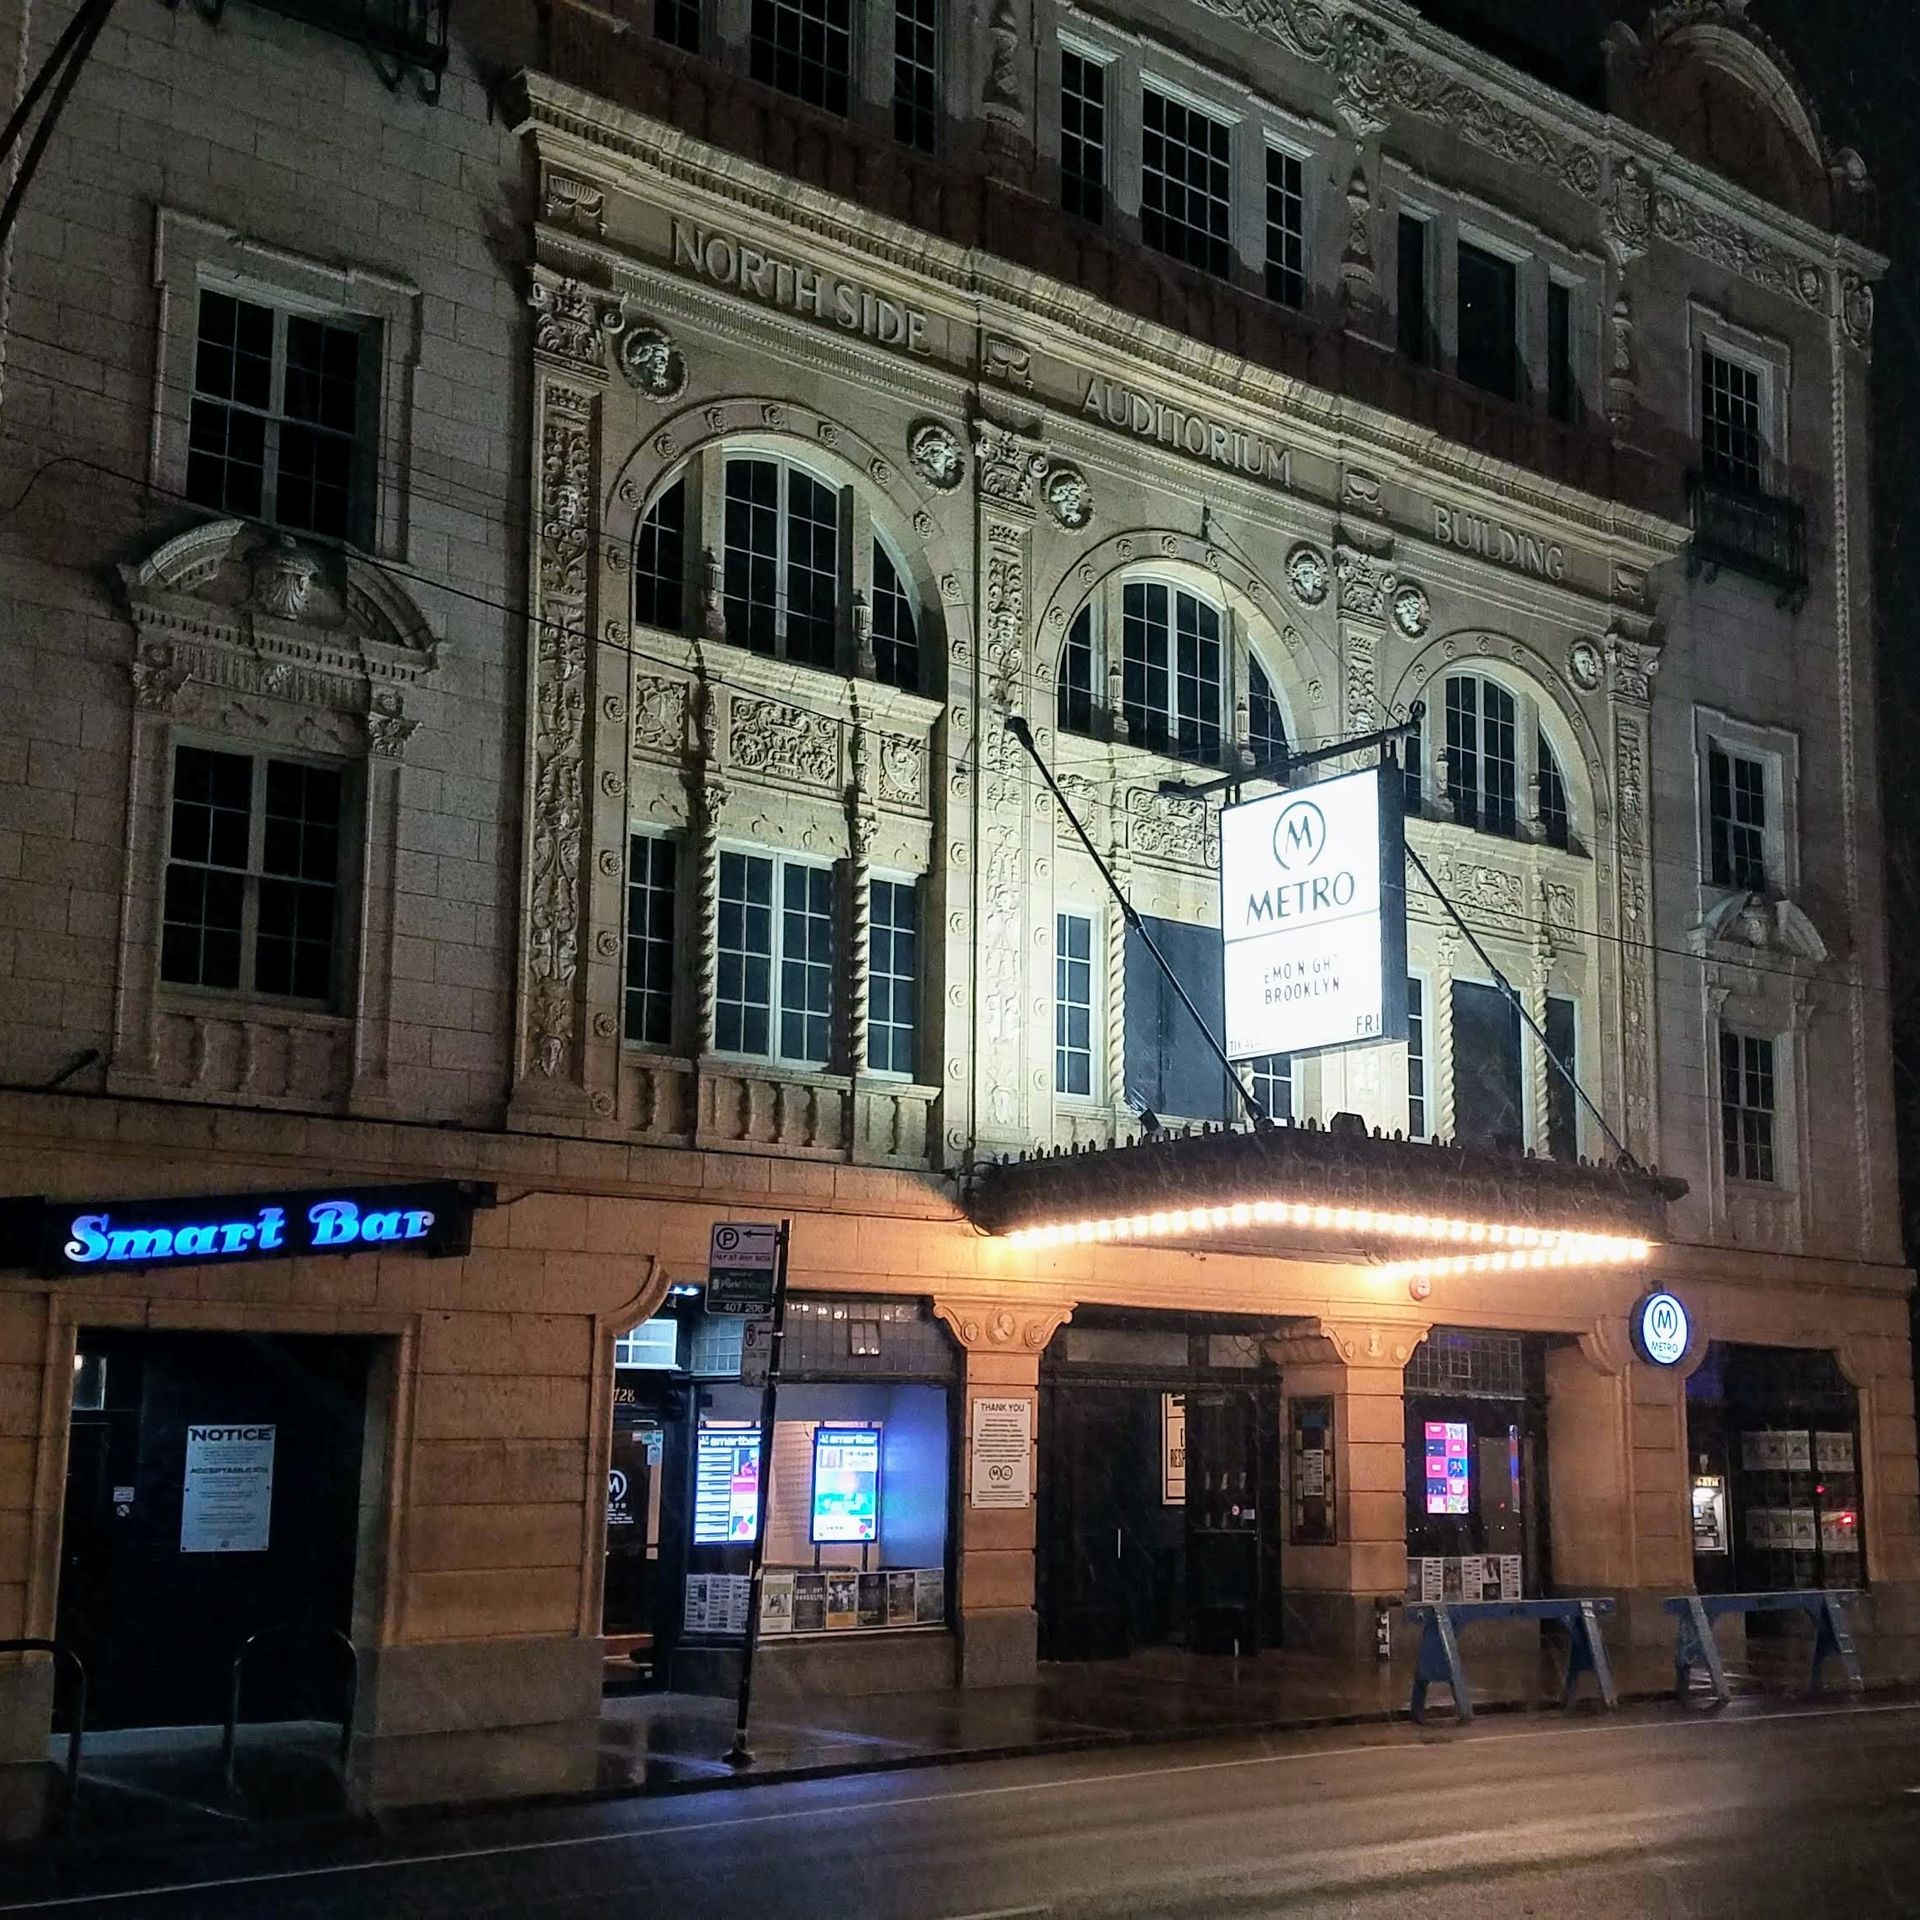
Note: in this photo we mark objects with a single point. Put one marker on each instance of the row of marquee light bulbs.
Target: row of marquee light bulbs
(1495, 1248)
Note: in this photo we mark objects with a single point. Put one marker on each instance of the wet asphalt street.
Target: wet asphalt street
(1774, 1811)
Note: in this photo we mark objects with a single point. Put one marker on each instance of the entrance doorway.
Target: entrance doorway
(1159, 1498)
(214, 1490)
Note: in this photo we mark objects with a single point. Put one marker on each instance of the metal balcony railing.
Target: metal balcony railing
(1762, 535)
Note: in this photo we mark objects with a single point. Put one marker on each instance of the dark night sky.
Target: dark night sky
(1859, 60)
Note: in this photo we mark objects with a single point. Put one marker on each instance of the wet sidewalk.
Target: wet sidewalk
(150, 1794)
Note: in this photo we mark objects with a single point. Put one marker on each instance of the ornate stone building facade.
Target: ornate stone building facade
(1194, 385)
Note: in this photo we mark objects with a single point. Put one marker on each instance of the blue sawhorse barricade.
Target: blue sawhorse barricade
(1694, 1647)
(1440, 1622)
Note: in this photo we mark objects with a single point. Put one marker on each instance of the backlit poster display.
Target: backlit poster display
(846, 1484)
(726, 1484)
(1449, 1476)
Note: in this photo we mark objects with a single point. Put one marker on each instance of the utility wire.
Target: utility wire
(68, 58)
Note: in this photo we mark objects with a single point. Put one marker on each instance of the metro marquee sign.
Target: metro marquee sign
(1313, 917)
(74, 1237)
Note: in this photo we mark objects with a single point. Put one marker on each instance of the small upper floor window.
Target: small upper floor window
(1073, 1004)
(1563, 1074)
(1489, 350)
(1186, 183)
(1414, 284)
(652, 911)
(916, 73)
(893, 975)
(1417, 1095)
(1266, 722)
(805, 48)
(1286, 228)
(1083, 135)
(1270, 1079)
(774, 997)
(1733, 446)
(252, 900)
(281, 422)
(1564, 400)
(676, 23)
(1736, 819)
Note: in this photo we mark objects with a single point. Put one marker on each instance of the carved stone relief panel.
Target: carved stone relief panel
(792, 743)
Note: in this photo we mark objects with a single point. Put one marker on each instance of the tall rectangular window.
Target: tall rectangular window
(1563, 1110)
(1733, 445)
(651, 864)
(893, 977)
(251, 901)
(805, 48)
(676, 23)
(1170, 670)
(1747, 1106)
(1489, 1100)
(1083, 136)
(1415, 293)
(1737, 820)
(660, 562)
(774, 997)
(1416, 1059)
(916, 73)
(1412, 767)
(1186, 184)
(1286, 228)
(1271, 1078)
(280, 427)
(1563, 385)
(1073, 1004)
(1489, 321)
(782, 561)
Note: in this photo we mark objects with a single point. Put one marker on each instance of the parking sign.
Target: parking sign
(741, 1261)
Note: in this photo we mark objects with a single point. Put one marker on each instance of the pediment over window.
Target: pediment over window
(1739, 923)
(286, 605)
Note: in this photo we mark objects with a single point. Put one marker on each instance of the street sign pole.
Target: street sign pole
(741, 1754)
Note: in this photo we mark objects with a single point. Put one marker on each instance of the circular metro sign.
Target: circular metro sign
(1661, 1329)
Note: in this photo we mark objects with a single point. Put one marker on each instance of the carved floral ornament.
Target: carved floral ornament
(573, 322)
(230, 610)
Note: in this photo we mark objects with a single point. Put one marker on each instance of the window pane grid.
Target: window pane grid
(1075, 699)
(1412, 753)
(1083, 136)
(660, 562)
(916, 71)
(896, 638)
(893, 975)
(1286, 229)
(1170, 671)
(1482, 764)
(251, 895)
(1747, 1106)
(1563, 1120)
(651, 863)
(1737, 820)
(806, 964)
(743, 1002)
(1266, 724)
(1731, 445)
(1186, 198)
(1271, 1078)
(1073, 1004)
(804, 47)
(274, 424)
(1416, 1061)
(1556, 818)
(676, 23)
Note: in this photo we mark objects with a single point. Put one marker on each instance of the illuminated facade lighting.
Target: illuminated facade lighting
(1509, 1248)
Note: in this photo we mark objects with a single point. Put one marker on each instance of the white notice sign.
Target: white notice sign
(1313, 916)
(226, 1503)
(1002, 1453)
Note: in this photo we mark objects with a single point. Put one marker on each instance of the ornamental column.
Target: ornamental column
(994, 1530)
(1346, 1554)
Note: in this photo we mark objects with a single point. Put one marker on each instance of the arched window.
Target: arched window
(1076, 675)
(1266, 724)
(798, 555)
(896, 629)
(660, 562)
(1501, 773)
(1170, 666)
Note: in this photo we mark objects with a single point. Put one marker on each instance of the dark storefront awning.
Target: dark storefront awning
(1337, 1192)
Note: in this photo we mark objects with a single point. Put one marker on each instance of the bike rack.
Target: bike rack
(236, 1678)
(77, 1734)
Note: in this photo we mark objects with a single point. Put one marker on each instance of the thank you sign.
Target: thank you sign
(1313, 917)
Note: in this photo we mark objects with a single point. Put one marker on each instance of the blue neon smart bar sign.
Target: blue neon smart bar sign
(95, 1236)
